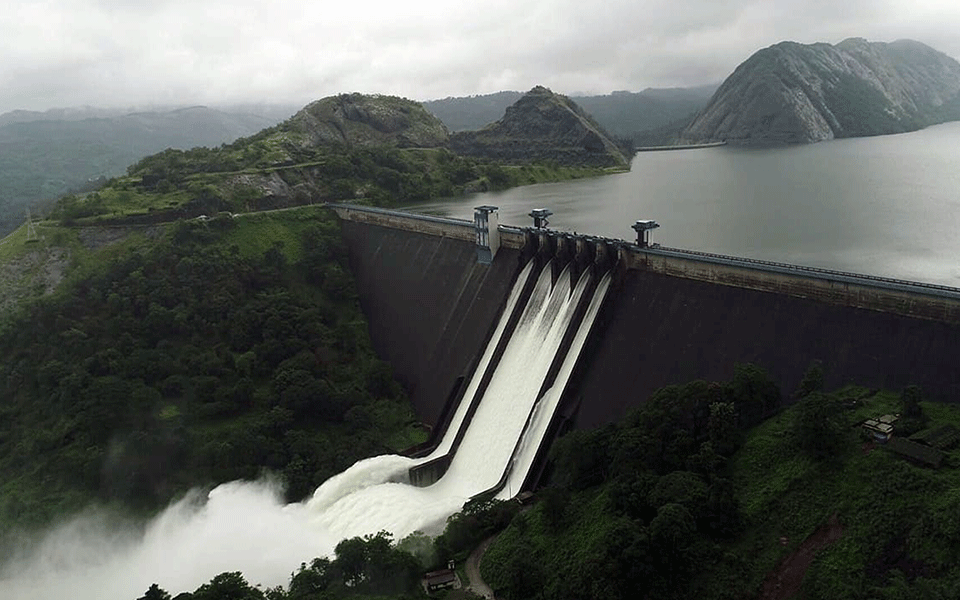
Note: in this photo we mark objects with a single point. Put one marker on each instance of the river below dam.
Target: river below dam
(886, 205)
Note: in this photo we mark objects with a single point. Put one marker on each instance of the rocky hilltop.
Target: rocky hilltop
(795, 93)
(369, 120)
(543, 126)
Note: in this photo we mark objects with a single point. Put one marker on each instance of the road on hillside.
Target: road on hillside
(477, 585)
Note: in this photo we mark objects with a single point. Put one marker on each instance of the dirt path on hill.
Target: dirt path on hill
(784, 581)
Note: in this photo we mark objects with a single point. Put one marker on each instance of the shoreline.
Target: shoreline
(684, 147)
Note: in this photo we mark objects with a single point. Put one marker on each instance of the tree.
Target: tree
(818, 426)
(812, 381)
(723, 428)
(228, 586)
(523, 574)
(755, 394)
(672, 532)
(680, 487)
(155, 592)
(310, 582)
(910, 401)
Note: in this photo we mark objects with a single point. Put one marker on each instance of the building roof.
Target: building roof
(876, 425)
(440, 577)
(942, 437)
(915, 451)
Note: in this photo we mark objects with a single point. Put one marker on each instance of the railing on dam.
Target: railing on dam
(911, 298)
(859, 278)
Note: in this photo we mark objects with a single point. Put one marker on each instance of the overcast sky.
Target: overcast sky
(60, 53)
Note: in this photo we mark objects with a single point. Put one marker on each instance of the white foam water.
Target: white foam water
(244, 526)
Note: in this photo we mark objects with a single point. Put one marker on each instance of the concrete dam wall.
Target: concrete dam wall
(670, 317)
(429, 304)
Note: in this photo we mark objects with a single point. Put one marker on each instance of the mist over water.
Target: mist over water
(245, 526)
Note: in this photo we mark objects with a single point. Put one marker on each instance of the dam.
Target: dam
(672, 316)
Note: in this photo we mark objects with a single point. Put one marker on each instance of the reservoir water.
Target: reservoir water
(887, 205)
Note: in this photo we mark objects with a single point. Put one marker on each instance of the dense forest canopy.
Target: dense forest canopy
(189, 361)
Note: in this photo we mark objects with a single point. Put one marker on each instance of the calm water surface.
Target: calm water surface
(886, 205)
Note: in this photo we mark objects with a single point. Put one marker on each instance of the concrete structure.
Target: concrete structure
(539, 216)
(430, 306)
(487, 224)
(644, 229)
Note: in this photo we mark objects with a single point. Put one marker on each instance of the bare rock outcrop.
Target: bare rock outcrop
(796, 93)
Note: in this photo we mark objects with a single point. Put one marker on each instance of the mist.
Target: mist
(238, 526)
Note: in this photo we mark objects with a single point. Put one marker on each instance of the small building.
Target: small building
(889, 419)
(878, 430)
(924, 455)
(443, 579)
(943, 437)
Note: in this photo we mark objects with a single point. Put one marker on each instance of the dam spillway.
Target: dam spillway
(499, 426)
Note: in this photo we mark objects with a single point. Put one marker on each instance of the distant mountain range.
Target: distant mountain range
(46, 154)
(796, 93)
(622, 114)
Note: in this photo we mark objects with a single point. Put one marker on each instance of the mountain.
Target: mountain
(795, 93)
(43, 158)
(543, 126)
(369, 120)
(623, 114)
(629, 114)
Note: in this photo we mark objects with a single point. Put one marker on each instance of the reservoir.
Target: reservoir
(887, 205)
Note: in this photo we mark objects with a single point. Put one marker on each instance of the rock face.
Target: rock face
(795, 93)
(369, 120)
(542, 126)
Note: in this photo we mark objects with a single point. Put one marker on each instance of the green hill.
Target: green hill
(623, 114)
(44, 155)
(376, 149)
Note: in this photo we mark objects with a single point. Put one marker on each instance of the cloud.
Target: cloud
(118, 52)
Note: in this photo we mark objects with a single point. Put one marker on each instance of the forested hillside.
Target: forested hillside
(699, 494)
(209, 353)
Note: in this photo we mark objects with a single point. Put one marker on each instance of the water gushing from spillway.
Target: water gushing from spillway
(244, 526)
